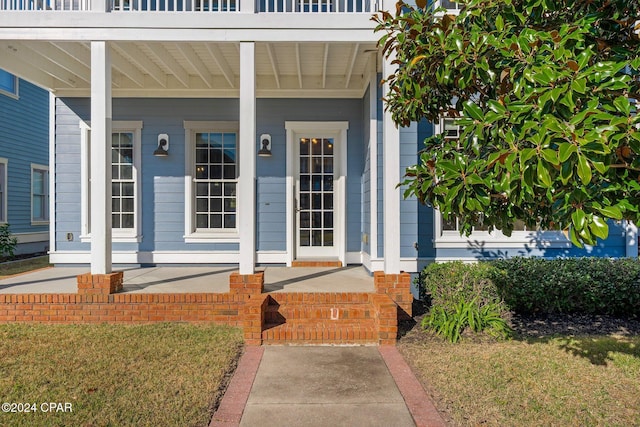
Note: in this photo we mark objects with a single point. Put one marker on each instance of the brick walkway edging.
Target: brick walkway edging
(231, 407)
(420, 405)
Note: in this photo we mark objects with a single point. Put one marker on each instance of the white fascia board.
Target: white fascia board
(217, 93)
(173, 34)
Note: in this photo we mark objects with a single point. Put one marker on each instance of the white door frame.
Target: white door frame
(337, 130)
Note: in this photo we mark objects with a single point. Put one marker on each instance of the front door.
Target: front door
(316, 198)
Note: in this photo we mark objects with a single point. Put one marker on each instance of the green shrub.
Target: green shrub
(7, 241)
(462, 296)
(571, 285)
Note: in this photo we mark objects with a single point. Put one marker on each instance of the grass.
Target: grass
(17, 267)
(559, 381)
(168, 374)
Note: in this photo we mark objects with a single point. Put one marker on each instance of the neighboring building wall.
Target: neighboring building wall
(24, 141)
(163, 178)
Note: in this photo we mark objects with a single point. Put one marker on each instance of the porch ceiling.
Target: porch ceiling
(195, 69)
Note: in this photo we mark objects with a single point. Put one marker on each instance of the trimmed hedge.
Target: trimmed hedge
(539, 286)
(569, 285)
(463, 297)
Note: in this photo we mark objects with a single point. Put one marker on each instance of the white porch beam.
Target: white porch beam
(141, 60)
(101, 116)
(299, 65)
(12, 63)
(246, 179)
(63, 60)
(274, 64)
(192, 57)
(165, 58)
(222, 63)
(21, 52)
(391, 174)
(324, 65)
(349, 72)
(127, 68)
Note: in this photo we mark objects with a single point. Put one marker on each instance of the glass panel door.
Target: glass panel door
(316, 197)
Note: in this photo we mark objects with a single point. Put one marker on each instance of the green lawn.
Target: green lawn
(17, 267)
(559, 381)
(168, 374)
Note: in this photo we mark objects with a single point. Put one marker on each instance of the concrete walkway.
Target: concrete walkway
(325, 386)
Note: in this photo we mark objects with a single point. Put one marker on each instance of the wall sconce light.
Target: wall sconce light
(265, 144)
(163, 146)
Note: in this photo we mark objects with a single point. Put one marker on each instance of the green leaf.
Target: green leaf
(550, 156)
(612, 212)
(565, 150)
(584, 170)
(599, 227)
(579, 219)
(623, 105)
(543, 174)
(579, 85)
(499, 23)
(473, 111)
(574, 237)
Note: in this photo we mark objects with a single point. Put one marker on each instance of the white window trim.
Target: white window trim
(119, 235)
(495, 239)
(35, 166)
(190, 235)
(3, 214)
(16, 94)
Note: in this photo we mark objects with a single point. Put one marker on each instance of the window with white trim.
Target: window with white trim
(39, 194)
(125, 181)
(452, 7)
(3, 190)
(447, 232)
(8, 84)
(212, 181)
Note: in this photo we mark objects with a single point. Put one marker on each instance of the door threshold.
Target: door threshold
(316, 263)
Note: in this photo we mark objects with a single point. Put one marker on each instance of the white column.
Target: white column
(100, 213)
(247, 160)
(391, 193)
(631, 236)
(373, 157)
(52, 172)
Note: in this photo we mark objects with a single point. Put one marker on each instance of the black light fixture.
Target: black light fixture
(163, 146)
(265, 144)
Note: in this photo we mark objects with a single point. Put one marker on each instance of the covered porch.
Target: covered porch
(198, 279)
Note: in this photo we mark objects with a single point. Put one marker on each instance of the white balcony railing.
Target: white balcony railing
(316, 6)
(176, 5)
(261, 6)
(45, 5)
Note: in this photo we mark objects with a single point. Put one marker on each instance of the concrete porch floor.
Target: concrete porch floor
(189, 279)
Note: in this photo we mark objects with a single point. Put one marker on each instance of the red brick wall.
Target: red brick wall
(398, 287)
(121, 308)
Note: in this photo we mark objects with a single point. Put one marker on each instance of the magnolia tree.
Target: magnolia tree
(545, 94)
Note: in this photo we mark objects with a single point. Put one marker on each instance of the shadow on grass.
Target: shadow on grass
(599, 349)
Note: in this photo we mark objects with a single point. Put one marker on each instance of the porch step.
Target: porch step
(313, 332)
(321, 318)
(316, 263)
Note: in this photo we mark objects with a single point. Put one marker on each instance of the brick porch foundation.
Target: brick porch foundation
(246, 284)
(398, 287)
(272, 318)
(100, 284)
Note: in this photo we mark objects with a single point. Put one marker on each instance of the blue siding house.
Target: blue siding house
(248, 135)
(24, 162)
